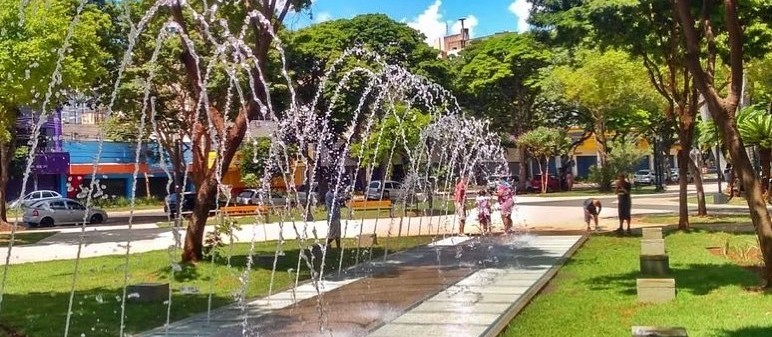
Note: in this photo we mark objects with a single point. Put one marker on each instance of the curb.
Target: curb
(503, 321)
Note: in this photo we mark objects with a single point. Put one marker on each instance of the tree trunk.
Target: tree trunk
(683, 181)
(194, 235)
(5, 164)
(697, 175)
(541, 172)
(765, 155)
(523, 174)
(724, 111)
(600, 139)
(545, 175)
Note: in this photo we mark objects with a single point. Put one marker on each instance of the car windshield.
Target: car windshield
(642, 172)
(246, 194)
(375, 184)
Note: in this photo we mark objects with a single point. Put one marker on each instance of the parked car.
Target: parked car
(35, 196)
(384, 190)
(553, 184)
(188, 201)
(643, 177)
(674, 176)
(304, 193)
(496, 180)
(252, 197)
(61, 211)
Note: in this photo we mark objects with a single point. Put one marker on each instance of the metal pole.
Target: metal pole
(718, 160)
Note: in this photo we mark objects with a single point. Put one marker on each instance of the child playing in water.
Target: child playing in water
(484, 211)
(506, 203)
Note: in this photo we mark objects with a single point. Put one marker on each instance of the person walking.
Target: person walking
(459, 198)
(622, 190)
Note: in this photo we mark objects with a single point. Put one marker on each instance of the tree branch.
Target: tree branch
(735, 55)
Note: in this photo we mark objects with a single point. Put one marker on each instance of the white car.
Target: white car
(384, 190)
(35, 196)
(252, 197)
(51, 212)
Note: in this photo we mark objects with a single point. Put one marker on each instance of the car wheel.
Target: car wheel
(46, 222)
(95, 219)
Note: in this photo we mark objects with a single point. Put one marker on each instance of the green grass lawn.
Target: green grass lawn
(37, 294)
(665, 219)
(595, 192)
(23, 238)
(738, 201)
(594, 294)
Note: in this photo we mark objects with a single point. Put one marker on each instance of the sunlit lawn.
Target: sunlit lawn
(36, 295)
(24, 238)
(595, 192)
(594, 294)
(711, 219)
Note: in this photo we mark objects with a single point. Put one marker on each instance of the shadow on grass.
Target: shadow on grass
(756, 331)
(95, 312)
(697, 279)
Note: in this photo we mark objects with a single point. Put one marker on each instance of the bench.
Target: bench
(360, 205)
(365, 205)
(245, 210)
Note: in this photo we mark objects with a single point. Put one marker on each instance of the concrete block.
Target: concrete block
(655, 331)
(367, 240)
(655, 265)
(653, 247)
(656, 290)
(147, 292)
(652, 233)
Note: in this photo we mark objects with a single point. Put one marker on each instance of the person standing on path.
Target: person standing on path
(459, 198)
(333, 203)
(622, 190)
(484, 211)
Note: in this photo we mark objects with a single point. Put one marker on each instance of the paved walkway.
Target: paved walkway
(456, 287)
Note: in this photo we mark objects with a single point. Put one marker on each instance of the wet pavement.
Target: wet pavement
(460, 286)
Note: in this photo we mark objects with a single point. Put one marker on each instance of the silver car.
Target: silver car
(34, 197)
(64, 211)
(252, 197)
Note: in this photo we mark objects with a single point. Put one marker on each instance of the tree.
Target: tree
(544, 143)
(400, 130)
(724, 108)
(254, 154)
(497, 78)
(651, 35)
(211, 77)
(623, 158)
(32, 43)
(611, 87)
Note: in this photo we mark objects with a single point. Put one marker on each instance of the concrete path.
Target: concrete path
(456, 287)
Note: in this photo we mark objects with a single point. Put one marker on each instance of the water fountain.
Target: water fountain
(449, 145)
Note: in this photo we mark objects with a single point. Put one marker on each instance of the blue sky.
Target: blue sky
(432, 17)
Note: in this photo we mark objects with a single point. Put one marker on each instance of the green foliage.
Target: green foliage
(544, 142)
(213, 240)
(623, 158)
(755, 126)
(311, 52)
(497, 78)
(400, 129)
(254, 156)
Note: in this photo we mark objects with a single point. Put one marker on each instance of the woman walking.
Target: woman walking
(622, 189)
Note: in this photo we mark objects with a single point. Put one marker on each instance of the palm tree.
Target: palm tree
(755, 126)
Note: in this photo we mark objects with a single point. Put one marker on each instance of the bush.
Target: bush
(123, 202)
(602, 176)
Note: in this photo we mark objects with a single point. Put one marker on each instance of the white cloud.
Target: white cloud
(322, 17)
(430, 23)
(469, 23)
(521, 9)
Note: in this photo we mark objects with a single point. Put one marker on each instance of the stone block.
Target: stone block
(367, 240)
(652, 233)
(147, 292)
(655, 331)
(653, 247)
(655, 265)
(655, 290)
